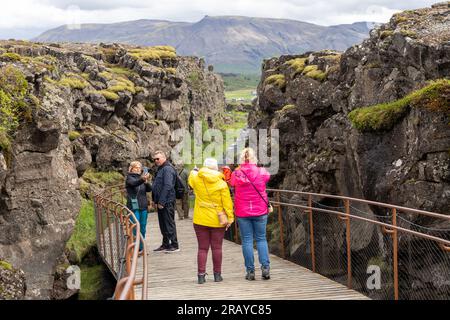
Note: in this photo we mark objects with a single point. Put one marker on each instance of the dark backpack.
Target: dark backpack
(179, 186)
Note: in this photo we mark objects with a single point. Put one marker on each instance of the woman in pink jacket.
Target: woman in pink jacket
(251, 209)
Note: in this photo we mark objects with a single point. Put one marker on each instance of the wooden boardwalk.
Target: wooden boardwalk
(173, 276)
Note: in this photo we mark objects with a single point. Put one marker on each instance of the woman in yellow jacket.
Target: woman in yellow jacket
(212, 197)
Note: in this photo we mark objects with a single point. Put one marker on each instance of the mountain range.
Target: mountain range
(230, 43)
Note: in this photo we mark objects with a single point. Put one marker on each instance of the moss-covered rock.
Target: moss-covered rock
(278, 80)
(12, 282)
(434, 97)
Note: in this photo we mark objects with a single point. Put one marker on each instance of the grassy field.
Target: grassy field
(245, 94)
(234, 82)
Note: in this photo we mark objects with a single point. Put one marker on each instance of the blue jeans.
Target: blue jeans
(254, 227)
(141, 216)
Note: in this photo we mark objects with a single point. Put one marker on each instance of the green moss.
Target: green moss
(150, 106)
(171, 70)
(121, 84)
(386, 33)
(335, 58)
(400, 19)
(84, 188)
(13, 95)
(195, 81)
(73, 82)
(297, 65)
(73, 135)
(91, 282)
(287, 108)
(154, 53)
(121, 71)
(50, 80)
(83, 237)
(107, 75)
(433, 97)
(277, 79)
(5, 265)
(44, 62)
(312, 71)
(109, 95)
(102, 178)
(10, 56)
(408, 33)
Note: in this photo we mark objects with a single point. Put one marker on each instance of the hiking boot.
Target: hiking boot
(265, 273)
(173, 249)
(250, 275)
(217, 277)
(160, 249)
(201, 278)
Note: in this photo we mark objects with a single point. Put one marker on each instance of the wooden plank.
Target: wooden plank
(173, 276)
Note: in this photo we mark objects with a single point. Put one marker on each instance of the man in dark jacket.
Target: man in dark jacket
(137, 187)
(163, 195)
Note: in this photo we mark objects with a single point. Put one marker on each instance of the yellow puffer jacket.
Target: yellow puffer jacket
(219, 199)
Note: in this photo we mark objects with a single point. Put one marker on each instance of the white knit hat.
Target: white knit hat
(211, 163)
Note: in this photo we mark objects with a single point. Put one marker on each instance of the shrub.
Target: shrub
(434, 97)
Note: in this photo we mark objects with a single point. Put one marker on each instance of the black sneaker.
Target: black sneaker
(161, 248)
(265, 273)
(173, 249)
(250, 275)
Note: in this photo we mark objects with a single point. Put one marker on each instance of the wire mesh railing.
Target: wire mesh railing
(380, 250)
(119, 244)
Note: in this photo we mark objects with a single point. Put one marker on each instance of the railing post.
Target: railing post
(111, 252)
(311, 234)
(280, 222)
(349, 252)
(395, 252)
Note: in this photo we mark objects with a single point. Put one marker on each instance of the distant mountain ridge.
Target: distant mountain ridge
(230, 43)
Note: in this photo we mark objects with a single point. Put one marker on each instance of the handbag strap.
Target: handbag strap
(210, 198)
(255, 188)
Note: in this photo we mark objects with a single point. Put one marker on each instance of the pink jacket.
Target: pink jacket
(247, 201)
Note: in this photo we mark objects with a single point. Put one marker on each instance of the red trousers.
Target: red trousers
(206, 237)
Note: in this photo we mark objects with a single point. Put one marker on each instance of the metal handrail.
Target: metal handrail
(391, 229)
(123, 218)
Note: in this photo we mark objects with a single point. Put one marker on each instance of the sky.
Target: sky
(24, 19)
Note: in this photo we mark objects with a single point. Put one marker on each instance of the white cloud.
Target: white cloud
(46, 14)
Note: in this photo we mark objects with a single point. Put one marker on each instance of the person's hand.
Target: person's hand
(160, 206)
(228, 226)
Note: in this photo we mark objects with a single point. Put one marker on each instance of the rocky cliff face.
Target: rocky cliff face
(396, 151)
(66, 108)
